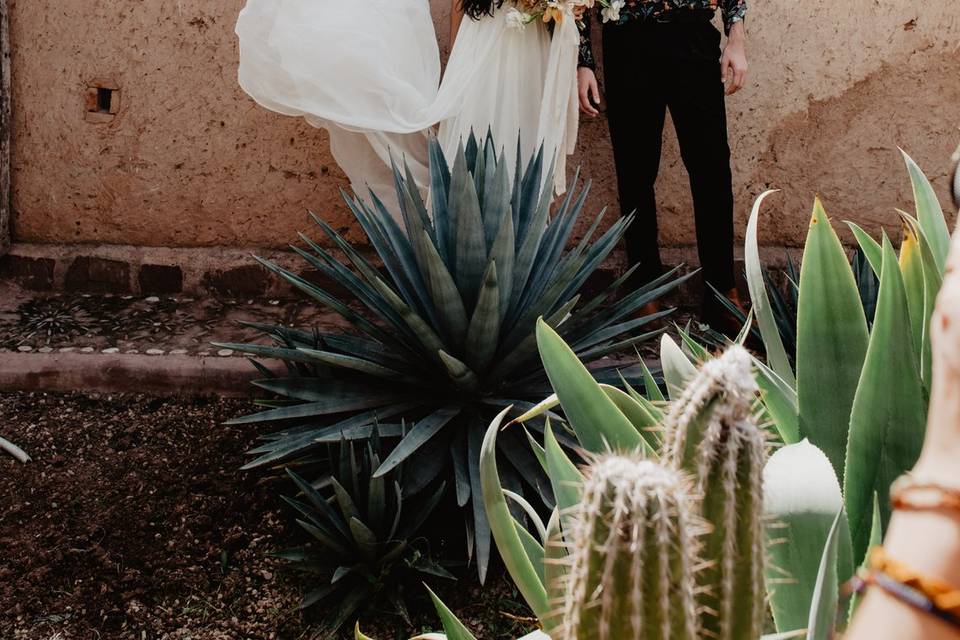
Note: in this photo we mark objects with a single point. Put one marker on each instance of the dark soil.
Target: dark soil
(133, 521)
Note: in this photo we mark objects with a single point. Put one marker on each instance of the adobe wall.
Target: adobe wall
(189, 161)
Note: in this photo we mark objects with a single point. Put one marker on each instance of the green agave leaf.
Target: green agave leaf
(802, 514)
(565, 478)
(532, 547)
(524, 574)
(496, 196)
(423, 331)
(443, 290)
(323, 537)
(677, 368)
(348, 606)
(554, 570)
(347, 506)
(637, 414)
(483, 521)
(333, 392)
(454, 629)
(350, 362)
(471, 242)
(695, 351)
(780, 401)
(911, 267)
(932, 281)
(650, 386)
(461, 473)
(823, 610)
(365, 538)
(831, 341)
(596, 420)
(776, 353)
(422, 432)
(871, 248)
(459, 372)
(929, 213)
(332, 302)
(439, 190)
(484, 330)
(319, 503)
(503, 253)
(876, 538)
(531, 513)
(888, 421)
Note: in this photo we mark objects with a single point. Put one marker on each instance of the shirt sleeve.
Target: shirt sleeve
(586, 58)
(733, 11)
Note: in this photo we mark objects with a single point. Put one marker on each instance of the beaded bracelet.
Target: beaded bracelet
(930, 595)
(909, 494)
(903, 593)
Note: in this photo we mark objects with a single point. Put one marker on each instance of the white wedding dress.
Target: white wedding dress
(368, 71)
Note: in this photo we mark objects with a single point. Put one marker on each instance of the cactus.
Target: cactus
(632, 555)
(712, 434)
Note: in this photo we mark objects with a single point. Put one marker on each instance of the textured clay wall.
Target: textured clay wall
(188, 160)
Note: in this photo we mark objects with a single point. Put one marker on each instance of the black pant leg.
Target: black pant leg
(636, 109)
(697, 105)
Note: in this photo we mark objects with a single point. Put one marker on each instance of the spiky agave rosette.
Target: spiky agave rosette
(633, 552)
(711, 432)
(443, 323)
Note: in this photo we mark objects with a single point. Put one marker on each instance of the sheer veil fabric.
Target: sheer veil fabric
(369, 72)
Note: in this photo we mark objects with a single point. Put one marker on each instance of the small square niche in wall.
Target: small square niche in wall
(102, 101)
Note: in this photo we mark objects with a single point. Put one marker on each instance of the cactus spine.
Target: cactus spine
(712, 434)
(632, 555)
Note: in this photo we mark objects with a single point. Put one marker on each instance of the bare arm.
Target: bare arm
(456, 17)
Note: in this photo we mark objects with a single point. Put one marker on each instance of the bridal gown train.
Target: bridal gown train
(369, 72)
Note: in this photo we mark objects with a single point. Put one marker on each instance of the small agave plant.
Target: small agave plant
(446, 336)
(364, 552)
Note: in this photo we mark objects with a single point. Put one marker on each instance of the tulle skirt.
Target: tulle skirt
(369, 72)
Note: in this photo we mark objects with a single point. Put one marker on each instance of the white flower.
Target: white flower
(517, 19)
(611, 12)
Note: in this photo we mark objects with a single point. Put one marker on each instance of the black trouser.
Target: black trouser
(649, 68)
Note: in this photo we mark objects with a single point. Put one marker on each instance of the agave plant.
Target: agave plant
(364, 549)
(783, 302)
(626, 554)
(446, 334)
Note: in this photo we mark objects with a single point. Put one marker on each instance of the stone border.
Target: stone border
(130, 270)
(127, 373)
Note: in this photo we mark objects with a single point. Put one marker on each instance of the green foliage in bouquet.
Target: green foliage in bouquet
(363, 547)
(446, 335)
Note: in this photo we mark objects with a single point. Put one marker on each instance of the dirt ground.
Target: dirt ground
(133, 521)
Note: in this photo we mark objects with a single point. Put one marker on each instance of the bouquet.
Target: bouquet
(554, 11)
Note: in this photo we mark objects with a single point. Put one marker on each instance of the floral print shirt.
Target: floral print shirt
(622, 11)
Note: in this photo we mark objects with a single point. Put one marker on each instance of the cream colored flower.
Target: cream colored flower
(554, 12)
(611, 12)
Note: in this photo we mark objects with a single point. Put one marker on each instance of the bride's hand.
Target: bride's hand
(588, 89)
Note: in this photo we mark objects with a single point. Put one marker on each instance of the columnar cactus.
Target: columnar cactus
(712, 434)
(633, 545)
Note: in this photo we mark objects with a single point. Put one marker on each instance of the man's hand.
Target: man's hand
(733, 64)
(587, 88)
